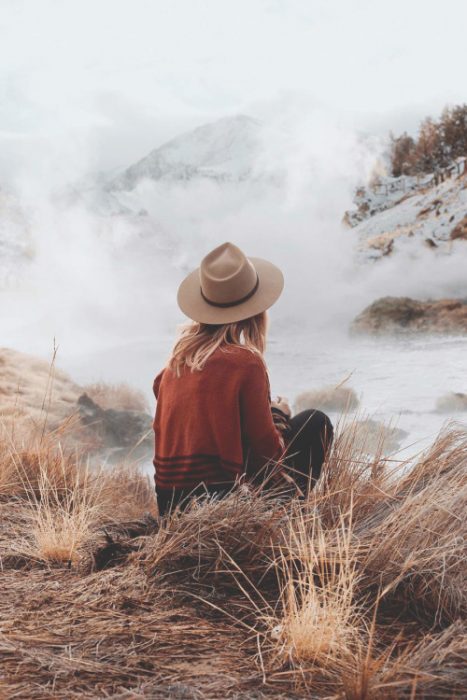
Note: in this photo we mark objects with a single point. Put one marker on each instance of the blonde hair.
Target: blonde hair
(198, 341)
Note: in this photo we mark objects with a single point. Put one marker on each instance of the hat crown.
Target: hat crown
(227, 276)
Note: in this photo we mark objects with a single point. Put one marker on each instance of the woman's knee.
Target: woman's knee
(314, 428)
(315, 419)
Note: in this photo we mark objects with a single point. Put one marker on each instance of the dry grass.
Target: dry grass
(213, 540)
(319, 621)
(22, 468)
(417, 549)
(357, 593)
(53, 502)
(126, 491)
(59, 518)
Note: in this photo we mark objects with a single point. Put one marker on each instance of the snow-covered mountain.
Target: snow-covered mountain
(222, 150)
(397, 211)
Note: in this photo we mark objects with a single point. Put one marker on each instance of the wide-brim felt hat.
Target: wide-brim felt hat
(228, 286)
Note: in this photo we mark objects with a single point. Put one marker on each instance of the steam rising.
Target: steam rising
(103, 268)
(91, 274)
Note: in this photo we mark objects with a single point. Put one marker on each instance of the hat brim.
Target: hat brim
(270, 286)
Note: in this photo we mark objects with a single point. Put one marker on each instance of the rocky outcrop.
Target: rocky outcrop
(371, 437)
(36, 397)
(402, 314)
(459, 232)
(454, 402)
(33, 392)
(330, 398)
(410, 213)
(116, 428)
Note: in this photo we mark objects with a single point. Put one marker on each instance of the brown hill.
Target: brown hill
(36, 397)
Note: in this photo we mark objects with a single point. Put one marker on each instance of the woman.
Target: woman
(215, 424)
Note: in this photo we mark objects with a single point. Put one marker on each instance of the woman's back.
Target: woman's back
(206, 421)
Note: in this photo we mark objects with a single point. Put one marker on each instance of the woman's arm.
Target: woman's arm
(156, 384)
(259, 432)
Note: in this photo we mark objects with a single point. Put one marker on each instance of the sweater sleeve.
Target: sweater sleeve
(156, 384)
(260, 434)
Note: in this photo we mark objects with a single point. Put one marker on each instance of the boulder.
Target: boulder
(116, 428)
(382, 243)
(330, 398)
(454, 402)
(370, 437)
(402, 314)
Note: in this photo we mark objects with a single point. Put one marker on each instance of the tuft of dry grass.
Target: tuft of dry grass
(354, 478)
(319, 620)
(54, 502)
(214, 537)
(413, 546)
(126, 491)
(59, 519)
(22, 467)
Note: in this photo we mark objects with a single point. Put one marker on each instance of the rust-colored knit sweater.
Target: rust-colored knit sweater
(208, 423)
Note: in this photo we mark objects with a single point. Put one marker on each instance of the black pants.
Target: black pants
(308, 437)
(308, 440)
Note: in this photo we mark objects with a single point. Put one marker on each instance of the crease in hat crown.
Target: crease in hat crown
(227, 276)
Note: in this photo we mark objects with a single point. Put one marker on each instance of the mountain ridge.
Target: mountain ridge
(221, 150)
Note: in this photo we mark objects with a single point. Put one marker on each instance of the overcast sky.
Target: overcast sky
(118, 77)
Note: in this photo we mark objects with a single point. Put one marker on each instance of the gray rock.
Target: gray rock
(329, 398)
(116, 428)
(454, 402)
(371, 437)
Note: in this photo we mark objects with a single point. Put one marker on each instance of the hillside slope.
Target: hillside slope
(37, 398)
(387, 218)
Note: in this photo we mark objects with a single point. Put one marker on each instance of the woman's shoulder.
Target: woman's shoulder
(239, 356)
(232, 358)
